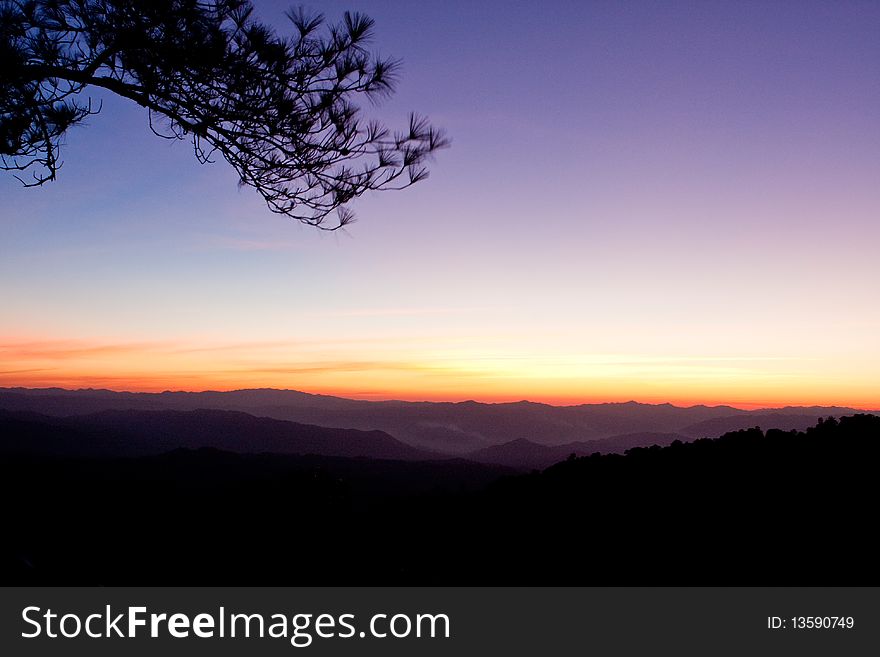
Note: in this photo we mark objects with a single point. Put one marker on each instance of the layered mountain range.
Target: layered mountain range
(518, 434)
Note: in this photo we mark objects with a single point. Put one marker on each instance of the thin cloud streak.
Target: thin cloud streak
(250, 245)
(71, 349)
(394, 312)
(42, 369)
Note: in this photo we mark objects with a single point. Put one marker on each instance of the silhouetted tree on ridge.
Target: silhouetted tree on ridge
(280, 110)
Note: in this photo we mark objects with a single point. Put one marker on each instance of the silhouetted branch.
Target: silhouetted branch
(280, 110)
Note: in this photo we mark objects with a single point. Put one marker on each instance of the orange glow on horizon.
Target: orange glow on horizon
(417, 375)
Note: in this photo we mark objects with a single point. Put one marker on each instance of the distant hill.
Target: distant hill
(136, 433)
(444, 427)
(524, 454)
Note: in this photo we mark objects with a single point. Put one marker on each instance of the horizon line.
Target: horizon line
(373, 397)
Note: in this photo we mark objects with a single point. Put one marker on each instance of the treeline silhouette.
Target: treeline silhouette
(774, 508)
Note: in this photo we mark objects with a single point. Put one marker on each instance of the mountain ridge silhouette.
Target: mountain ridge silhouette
(138, 433)
(451, 428)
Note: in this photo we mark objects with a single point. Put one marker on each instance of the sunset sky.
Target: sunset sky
(659, 201)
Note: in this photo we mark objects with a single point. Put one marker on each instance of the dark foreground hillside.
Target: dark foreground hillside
(749, 508)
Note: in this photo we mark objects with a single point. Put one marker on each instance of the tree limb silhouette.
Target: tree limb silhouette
(280, 110)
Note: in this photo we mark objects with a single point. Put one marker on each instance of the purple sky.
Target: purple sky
(659, 200)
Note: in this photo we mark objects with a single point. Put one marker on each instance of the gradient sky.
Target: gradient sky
(660, 201)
